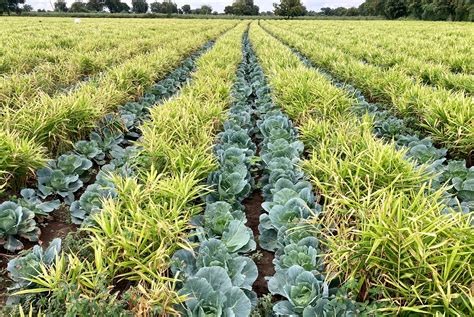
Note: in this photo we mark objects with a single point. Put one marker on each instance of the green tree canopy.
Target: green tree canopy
(95, 5)
(164, 7)
(116, 6)
(9, 6)
(186, 9)
(139, 6)
(60, 6)
(242, 7)
(458, 10)
(78, 7)
(290, 8)
(205, 9)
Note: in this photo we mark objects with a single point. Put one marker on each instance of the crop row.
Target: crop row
(67, 181)
(421, 150)
(356, 207)
(445, 116)
(218, 274)
(131, 240)
(49, 125)
(446, 47)
(56, 77)
(37, 44)
(383, 228)
(388, 55)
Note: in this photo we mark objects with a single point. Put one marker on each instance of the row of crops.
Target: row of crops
(39, 119)
(256, 175)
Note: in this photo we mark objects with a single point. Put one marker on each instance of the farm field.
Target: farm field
(236, 168)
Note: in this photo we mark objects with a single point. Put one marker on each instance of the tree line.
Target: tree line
(437, 10)
(455, 10)
(138, 6)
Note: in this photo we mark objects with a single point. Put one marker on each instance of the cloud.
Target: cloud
(219, 5)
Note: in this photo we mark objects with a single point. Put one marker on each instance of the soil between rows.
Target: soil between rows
(253, 206)
(58, 227)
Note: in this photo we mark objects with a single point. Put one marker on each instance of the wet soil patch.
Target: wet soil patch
(263, 258)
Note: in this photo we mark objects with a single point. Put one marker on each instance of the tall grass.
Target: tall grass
(137, 232)
(383, 225)
(448, 117)
(20, 158)
(55, 122)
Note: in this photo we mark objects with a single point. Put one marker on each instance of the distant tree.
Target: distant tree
(78, 7)
(460, 10)
(289, 8)
(60, 6)
(164, 7)
(204, 9)
(326, 11)
(139, 6)
(267, 13)
(242, 7)
(9, 6)
(229, 10)
(186, 9)
(340, 11)
(394, 9)
(113, 5)
(123, 7)
(27, 8)
(95, 5)
(352, 12)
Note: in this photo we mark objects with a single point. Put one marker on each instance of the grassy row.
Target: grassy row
(20, 89)
(361, 45)
(383, 227)
(444, 44)
(51, 124)
(446, 116)
(137, 232)
(37, 43)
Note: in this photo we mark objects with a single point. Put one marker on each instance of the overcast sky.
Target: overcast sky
(218, 5)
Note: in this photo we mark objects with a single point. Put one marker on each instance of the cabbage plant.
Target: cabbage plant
(28, 265)
(51, 182)
(15, 222)
(241, 269)
(107, 140)
(299, 287)
(423, 151)
(30, 200)
(218, 215)
(210, 293)
(91, 150)
(305, 254)
(89, 203)
(71, 164)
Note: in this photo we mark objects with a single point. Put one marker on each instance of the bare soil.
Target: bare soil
(265, 261)
(57, 226)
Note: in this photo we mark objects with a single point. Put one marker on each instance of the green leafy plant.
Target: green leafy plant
(29, 263)
(90, 202)
(210, 293)
(241, 270)
(91, 150)
(52, 182)
(15, 222)
(30, 200)
(305, 253)
(300, 288)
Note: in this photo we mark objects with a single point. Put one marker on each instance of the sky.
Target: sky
(218, 5)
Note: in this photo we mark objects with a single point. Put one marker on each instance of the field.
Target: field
(236, 168)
